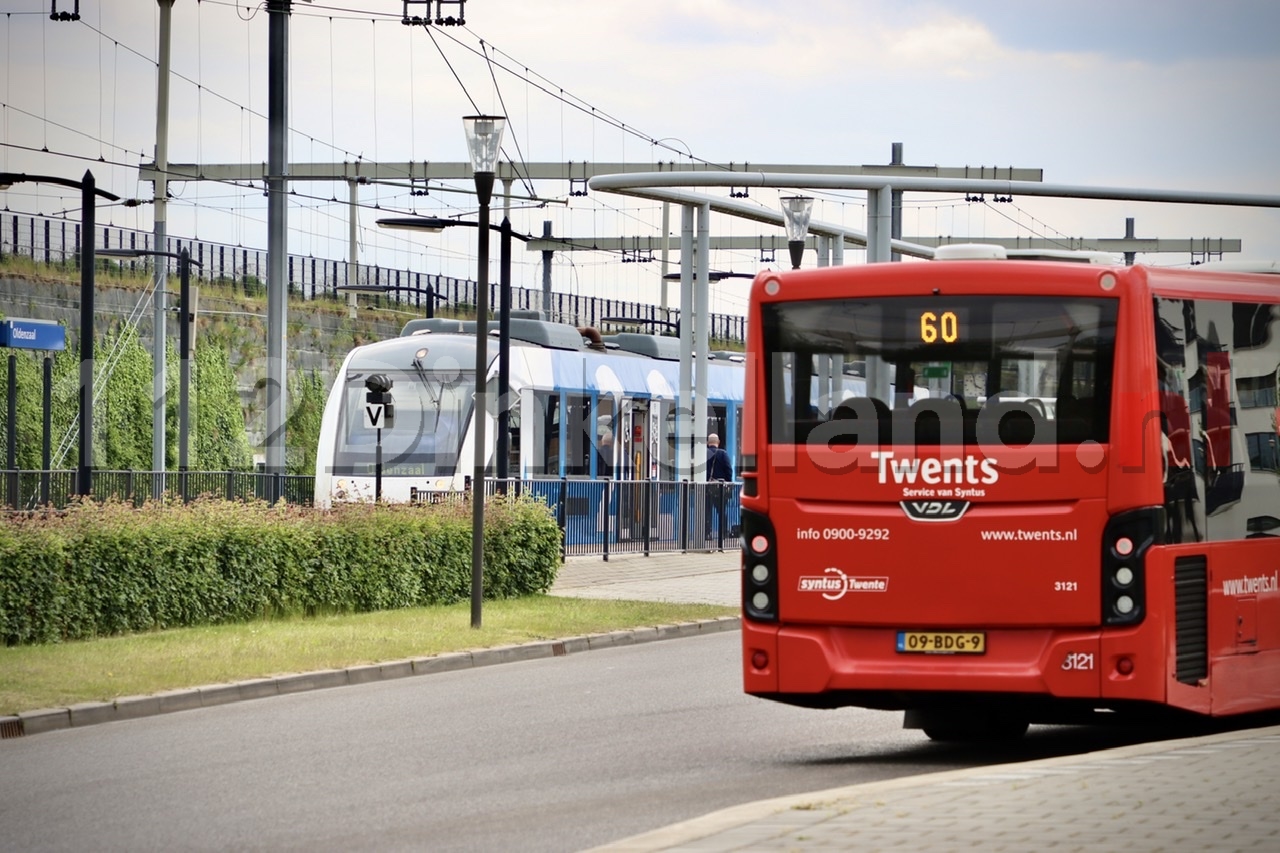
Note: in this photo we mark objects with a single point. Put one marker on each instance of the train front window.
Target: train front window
(425, 438)
(940, 370)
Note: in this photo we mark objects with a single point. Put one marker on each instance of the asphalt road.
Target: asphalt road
(558, 754)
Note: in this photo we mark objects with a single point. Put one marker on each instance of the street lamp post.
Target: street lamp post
(88, 191)
(184, 341)
(484, 141)
(796, 210)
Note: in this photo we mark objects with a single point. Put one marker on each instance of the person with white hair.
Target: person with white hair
(719, 473)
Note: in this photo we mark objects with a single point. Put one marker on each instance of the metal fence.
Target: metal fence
(634, 516)
(597, 517)
(27, 490)
(57, 241)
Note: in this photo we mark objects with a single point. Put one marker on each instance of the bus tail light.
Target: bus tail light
(1124, 547)
(759, 568)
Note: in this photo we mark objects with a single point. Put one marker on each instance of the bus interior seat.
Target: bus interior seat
(848, 411)
(933, 422)
(1018, 424)
(1074, 419)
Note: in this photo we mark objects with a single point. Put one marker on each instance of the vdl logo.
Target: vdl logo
(935, 510)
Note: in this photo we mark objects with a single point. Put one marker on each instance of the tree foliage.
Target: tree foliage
(306, 401)
(122, 415)
(220, 442)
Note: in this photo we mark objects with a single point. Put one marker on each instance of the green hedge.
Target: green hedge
(102, 569)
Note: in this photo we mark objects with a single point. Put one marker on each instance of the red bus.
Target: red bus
(997, 492)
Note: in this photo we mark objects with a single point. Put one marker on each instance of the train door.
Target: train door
(637, 462)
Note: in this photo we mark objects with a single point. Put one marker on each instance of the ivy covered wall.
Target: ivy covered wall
(227, 404)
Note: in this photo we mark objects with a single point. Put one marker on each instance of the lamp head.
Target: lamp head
(484, 141)
(416, 223)
(796, 210)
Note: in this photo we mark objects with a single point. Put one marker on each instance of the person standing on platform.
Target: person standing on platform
(719, 473)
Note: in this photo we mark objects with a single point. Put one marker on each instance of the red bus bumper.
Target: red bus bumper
(832, 666)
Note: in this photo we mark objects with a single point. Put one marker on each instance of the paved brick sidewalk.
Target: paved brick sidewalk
(697, 578)
(1214, 793)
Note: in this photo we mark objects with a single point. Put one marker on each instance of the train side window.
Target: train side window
(667, 441)
(578, 447)
(716, 420)
(513, 439)
(605, 440)
(546, 440)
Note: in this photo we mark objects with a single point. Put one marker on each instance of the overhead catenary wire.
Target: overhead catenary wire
(599, 212)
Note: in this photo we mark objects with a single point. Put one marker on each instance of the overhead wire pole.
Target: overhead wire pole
(701, 341)
(84, 466)
(895, 159)
(277, 236)
(160, 232)
(684, 415)
(353, 244)
(546, 273)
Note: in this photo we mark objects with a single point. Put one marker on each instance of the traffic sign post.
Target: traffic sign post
(379, 414)
(21, 333)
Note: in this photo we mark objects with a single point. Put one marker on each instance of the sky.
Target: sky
(1171, 94)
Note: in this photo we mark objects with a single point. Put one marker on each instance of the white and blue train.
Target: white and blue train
(582, 407)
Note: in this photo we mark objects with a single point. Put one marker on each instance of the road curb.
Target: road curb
(132, 707)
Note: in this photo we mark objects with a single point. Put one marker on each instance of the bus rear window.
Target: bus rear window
(939, 370)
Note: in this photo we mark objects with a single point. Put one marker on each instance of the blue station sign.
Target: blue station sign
(32, 334)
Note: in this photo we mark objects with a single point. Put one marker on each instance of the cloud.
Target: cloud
(952, 46)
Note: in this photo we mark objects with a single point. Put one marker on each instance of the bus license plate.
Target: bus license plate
(942, 642)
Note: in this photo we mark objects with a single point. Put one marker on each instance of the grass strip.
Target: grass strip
(63, 674)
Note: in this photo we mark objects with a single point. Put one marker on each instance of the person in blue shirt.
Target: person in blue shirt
(719, 473)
